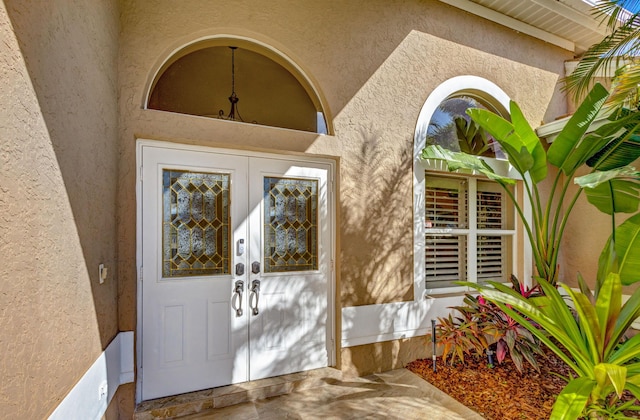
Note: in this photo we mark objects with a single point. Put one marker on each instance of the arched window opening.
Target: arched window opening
(451, 128)
(465, 227)
(218, 80)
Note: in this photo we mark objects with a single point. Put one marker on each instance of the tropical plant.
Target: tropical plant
(472, 138)
(607, 148)
(591, 343)
(482, 326)
(615, 57)
(460, 336)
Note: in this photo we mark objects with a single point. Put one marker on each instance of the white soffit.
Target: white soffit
(568, 24)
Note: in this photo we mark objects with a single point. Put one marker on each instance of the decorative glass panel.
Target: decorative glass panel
(290, 224)
(196, 223)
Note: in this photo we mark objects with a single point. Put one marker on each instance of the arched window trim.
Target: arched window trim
(488, 92)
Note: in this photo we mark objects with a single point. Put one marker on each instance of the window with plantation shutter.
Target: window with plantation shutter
(468, 231)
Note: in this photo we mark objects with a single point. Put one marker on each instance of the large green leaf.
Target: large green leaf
(592, 144)
(458, 160)
(521, 159)
(573, 132)
(614, 190)
(627, 247)
(513, 138)
(615, 197)
(629, 312)
(626, 351)
(607, 372)
(608, 305)
(607, 263)
(589, 321)
(531, 142)
(624, 148)
(595, 179)
(498, 127)
(572, 400)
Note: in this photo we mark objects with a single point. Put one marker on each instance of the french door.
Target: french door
(236, 268)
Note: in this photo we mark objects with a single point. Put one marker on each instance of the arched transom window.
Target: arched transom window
(240, 81)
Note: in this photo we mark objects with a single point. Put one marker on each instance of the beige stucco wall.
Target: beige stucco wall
(584, 239)
(374, 63)
(58, 165)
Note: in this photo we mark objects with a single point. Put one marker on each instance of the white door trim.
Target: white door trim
(140, 145)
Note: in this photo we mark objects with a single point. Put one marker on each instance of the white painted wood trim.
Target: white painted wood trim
(576, 16)
(393, 321)
(511, 23)
(113, 368)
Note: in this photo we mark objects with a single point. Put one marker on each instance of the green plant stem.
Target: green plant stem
(545, 227)
(565, 219)
(613, 213)
(536, 251)
(534, 199)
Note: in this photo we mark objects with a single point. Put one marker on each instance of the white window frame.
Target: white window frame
(471, 232)
(487, 91)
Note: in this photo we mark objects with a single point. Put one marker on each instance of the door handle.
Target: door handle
(255, 267)
(237, 297)
(255, 293)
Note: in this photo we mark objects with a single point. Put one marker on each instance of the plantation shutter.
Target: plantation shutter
(446, 213)
(491, 214)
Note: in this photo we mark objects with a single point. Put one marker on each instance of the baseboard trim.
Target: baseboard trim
(92, 394)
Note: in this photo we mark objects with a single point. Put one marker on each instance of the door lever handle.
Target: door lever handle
(237, 297)
(254, 296)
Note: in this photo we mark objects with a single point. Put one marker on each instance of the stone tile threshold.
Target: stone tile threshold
(321, 393)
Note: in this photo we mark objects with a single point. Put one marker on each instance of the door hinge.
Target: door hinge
(141, 173)
(140, 275)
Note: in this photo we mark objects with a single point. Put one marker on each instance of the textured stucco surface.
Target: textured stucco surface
(384, 356)
(58, 166)
(375, 63)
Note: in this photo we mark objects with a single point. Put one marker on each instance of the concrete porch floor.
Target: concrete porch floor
(321, 394)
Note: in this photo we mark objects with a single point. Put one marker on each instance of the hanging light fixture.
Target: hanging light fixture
(234, 113)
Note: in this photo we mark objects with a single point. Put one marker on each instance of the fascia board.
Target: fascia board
(511, 23)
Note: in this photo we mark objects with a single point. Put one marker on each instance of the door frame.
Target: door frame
(142, 143)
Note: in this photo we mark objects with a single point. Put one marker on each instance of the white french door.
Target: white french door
(236, 262)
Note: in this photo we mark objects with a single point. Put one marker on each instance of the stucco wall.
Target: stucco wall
(584, 239)
(58, 166)
(375, 62)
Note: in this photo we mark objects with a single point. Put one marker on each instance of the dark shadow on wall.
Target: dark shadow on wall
(71, 55)
(377, 264)
(377, 231)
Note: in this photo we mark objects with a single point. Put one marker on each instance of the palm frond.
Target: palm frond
(616, 12)
(610, 58)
